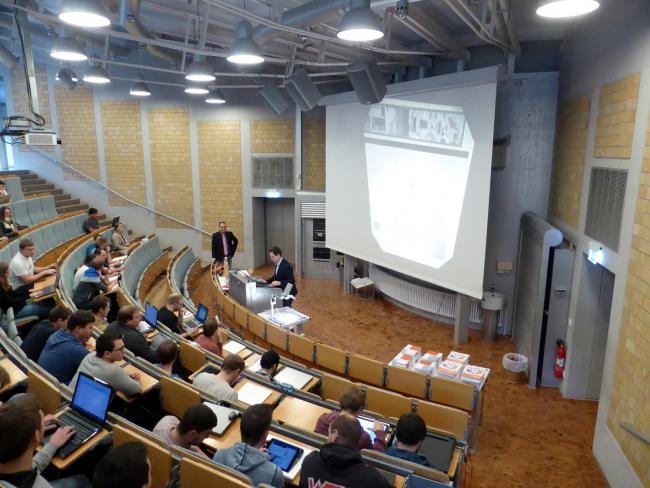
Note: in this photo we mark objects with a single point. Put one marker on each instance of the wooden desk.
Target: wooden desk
(244, 353)
(147, 383)
(37, 293)
(227, 439)
(299, 413)
(453, 465)
(252, 359)
(44, 282)
(201, 370)
(272, 398)
(72, 458)
(16, 375)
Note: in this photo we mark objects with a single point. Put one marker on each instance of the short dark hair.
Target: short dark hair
(20, 419)
(106, 343)
(348, 429)
(276, 250)
(99, 302)
(411, 429)
(167, 351)
(255, 422)
(125, 313)
(96, 263)
(233, 363)
(89, 257)
(124, 466)
(222, 222)
(2, 182)
(25, 243)
(210, 327)
(92, 211)
(59, 312)
(174, 298)
(352, 400)
(199, 418)
(81, 318)
(269, 359)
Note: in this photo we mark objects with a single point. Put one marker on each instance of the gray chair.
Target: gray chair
(72, 228)
(14, 247)
(49, 236)
(59, 232)
(14, 188)
(35, 210)
(5, 254)
(49, 207)
(37, 238)
(20, 213)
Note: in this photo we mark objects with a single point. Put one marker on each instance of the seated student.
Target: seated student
(22, 272)
(100, 307)
(3, 189)
(167, 354)
(119, 242)
(109, 351)
(352, 403)
(339, 463)
(128, 319)
(172, 314)
(125, 466)
(22, 426)
(18, 299)
(10, 228)
(411, 431)
(269, 364)
(99, 242)
(247, 456)
(190, 431)
(92, 283)
(210, 340)
(219, 385)
(65, 349)
(82, 269)
(91, 223)
(41, 332)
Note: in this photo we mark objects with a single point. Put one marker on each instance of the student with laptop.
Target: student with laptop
(125, 466)
(22, 272)
(172, 314)
(247, 456)
(339, 463)
(209, 339)
(109, 350)
(128, 319)
(65, 349)
(352, 403)
(220, 385)
(411, 431)
(190, 431)
(101, 307)
(40, 333)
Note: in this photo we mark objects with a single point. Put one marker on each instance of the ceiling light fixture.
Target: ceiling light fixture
(140, 88)
(215, 97)
(195, 89)
(360, 24)
(561, 9)
(200, 71)
(244, 50)
(96, 74)
(84, 13)
(67, 49)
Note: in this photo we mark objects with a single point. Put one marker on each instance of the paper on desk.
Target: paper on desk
(233, 347)
(293, 377)
(255, 367)
(113, 278)
(252, 394)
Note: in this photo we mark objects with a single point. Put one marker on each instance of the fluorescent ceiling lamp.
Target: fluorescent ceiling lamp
(67, 49)
(96, 74)
(215, 97)
(200, 71)
(244, 50)
(194, 89)
(360, 24)
(139, 89)
(84, 13)
(561, 9)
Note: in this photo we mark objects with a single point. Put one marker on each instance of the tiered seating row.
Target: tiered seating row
(14, 187)
(138, 260)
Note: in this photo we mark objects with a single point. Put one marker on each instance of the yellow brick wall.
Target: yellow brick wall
(171, 165)
(21, 100)
(272, 136)
(616, 113)
(76, 115)
(122, 130)
(630, 398)
(313, 154)
(221, 181)
(568, 168)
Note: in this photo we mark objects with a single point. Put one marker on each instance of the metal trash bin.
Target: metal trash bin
(491, 304)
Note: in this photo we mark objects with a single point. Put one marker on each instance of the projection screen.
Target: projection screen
(408, 182)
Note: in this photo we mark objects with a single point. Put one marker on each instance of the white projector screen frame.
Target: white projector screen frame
(375, 212)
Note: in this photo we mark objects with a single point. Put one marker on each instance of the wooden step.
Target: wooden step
(15, 172)
(41, 187)
(61, 196)
(67, 202)
(28, 177)
(72, 208)
(32, 181)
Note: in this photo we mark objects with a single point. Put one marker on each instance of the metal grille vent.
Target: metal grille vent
(272, 172)
(605, 207)
(312, 210)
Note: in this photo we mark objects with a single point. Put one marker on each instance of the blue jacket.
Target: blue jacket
(412, 457)
(62, 355)
(252, 462)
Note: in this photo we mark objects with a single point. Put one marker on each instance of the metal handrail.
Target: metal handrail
(123, 197)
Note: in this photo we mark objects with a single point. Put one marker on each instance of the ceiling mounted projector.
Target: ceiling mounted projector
(200, 71)
(360, 24)
(67, 49)
(84, 13)
(562, 9)
(244, 50)
(97, 75)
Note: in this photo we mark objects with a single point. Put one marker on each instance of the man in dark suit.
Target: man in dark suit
(283, 274)
(224, 245)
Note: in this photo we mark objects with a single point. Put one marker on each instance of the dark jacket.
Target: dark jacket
(412, 457)
(88, 288)
(13, 298)
(90, 225)
(339, 466)
(170, 319)
(365, 442)
(285, 275)
(62, 355)
(217, 245)
(36, 339)
(134, 341)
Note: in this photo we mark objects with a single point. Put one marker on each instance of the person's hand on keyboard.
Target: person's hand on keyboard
(50, 422)
(135, 376)
(62, 436)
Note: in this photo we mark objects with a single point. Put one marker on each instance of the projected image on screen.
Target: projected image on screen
(418, 157)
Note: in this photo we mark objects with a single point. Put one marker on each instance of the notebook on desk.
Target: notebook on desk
(297, 379)
(233, 347)
(252, 394)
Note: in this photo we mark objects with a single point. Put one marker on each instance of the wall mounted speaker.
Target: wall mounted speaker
(274, 99)
(367, 81)
(302, 90)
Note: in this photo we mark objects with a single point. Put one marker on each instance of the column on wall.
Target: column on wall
(313, 151)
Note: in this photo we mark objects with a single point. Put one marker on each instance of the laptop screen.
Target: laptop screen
(201, 313)
(91, 397)
(151, 315)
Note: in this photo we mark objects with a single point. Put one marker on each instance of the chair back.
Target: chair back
(177, 396)
(192, 358)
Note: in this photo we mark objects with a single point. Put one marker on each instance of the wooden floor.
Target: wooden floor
(529, 438)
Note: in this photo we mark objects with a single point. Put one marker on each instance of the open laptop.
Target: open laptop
(150, 321)
(438, 449)
(201, 314)
(367, 424)
(87, 412)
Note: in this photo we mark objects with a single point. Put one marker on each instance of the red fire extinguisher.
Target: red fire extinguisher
(560, 354)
